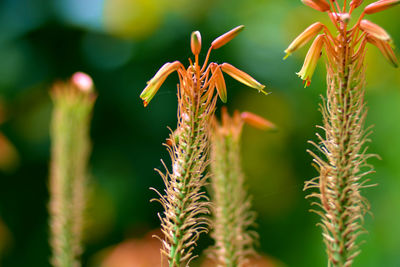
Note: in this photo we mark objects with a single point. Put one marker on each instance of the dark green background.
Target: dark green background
(121, 44)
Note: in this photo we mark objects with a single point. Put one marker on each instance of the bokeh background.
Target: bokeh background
(121, 44)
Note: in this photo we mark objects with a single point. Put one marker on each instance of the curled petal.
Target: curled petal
(374, 30)
(155, 83)
(242, 77)
(380, 5)
(257, 121)
(320, 5)
(195, 42)
(385, 49)
(304, 38)
(219, 81)
(310, 62)
(226, 37)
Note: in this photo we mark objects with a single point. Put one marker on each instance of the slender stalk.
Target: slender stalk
(232, 215)
(73, 104)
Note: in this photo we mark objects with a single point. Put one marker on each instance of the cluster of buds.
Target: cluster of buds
(203, 78)
(355, 38)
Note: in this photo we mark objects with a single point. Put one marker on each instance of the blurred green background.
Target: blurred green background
(121, 44)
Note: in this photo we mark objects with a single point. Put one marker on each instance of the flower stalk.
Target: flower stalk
(342, 155)
(73, 105)
(185, 204)
(232, 216)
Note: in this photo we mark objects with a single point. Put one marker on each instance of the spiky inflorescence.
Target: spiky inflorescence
(184, 201)
(232, 216)
(344, 165)
(73, 104)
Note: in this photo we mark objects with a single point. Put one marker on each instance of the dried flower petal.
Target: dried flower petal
(375, 30)
(320, 5)
(310, 62)
(219, 82)
(195, 42)
(304, 37)
(385, 49)
(257, 121)
(155, 83)
(242, 77)
(380, 5)
(226, 37)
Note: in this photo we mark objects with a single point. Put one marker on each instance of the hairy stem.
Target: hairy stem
(68, 175)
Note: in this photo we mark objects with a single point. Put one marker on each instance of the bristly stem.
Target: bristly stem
(73, 104)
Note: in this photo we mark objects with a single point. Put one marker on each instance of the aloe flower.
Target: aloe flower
(343, 164)
(184, 201)
(232, 218)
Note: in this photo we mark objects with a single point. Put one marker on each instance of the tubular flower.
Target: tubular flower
(184, 201)
(342, 157)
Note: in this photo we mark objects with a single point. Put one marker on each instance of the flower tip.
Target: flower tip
(82, 81)
(226, 37)
(257, 121)
(287, 55)
(320, 5)
(195, 42)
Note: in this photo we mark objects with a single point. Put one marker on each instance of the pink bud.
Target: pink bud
(82, 81)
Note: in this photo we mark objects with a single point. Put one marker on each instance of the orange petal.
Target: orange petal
(257, 121)
(219, 82)
(356, 3)
(320, 5)
(242, 77)
(385, 49)
(304, 37)
(380, 5)
(374, 30)
(225, 38)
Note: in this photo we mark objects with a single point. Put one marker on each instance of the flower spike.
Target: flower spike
(155, 83)
(320, 5)
(227, 37)
(310, 62)
(374, 30)
(380, 6)
(304, 38)
(242, 77)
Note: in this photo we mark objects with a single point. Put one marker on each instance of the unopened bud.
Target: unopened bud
(320, 5)
(385, 49)
(374, 30)
(195, 42)
(304, 38)
(219, 82)
(380, 5)
(82, 81)
(242, 77)
(257, 121)
(356, 3)
(225, 38)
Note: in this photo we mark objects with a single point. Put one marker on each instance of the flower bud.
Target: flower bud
(242, 77)
(380, 5)
(385, 49)
(320, 5)
(155, 83)
(356, 3)
(311, 60)
(219, 81)
(82, 81)
(225, 38)
(374, 30)
(257, 121)
(195, 43)
(304, 38)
